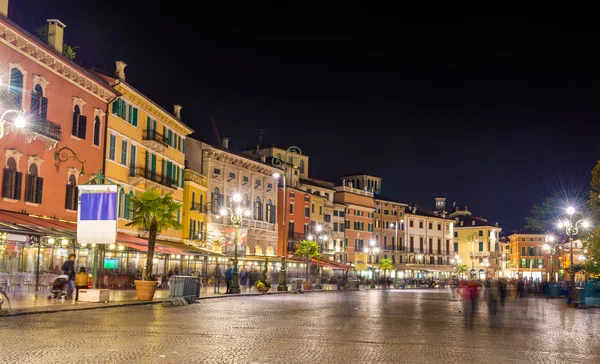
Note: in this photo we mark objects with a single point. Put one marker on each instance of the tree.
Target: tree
(67, 51)
(385, 264)
(462, 268)
(307, 249)
(154, 213)
(542, 217)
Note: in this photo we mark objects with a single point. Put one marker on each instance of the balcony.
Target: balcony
(155, 140)
(41, 129)
(197, 207)
(246, 222)
(483, 254)
(139, 174)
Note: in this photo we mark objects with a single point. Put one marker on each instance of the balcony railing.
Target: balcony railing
(153, 135)
(46, 128)
(196, 206)
(153, 176)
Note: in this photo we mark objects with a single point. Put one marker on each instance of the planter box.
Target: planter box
(94, 295)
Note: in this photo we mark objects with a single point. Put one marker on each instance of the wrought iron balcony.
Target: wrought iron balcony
(155, 140)
(152, 176)
(47, 129)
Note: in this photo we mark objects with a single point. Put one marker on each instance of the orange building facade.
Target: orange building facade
(63, 106)
(297, 218)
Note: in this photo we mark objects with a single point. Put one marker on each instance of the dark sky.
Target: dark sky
(492, 109)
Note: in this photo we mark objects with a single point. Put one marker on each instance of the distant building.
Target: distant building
(476, 242)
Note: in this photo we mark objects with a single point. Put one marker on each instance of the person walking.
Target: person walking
(244, 276)
(68, 268)
(81, 281)
(228, 278)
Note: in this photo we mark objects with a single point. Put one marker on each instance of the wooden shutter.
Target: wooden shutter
(18, 183)
(148, 125)
(35, 103)
(135, 116)
(6, 177)
(126, 207)
(169, 171)
(115, 107)
(40, 186)
(82, 126)
(75, 123)
(130, 116)
(69, 197)
(44, 111)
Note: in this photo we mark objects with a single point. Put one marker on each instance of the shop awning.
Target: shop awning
(37, 225)
(184, 249)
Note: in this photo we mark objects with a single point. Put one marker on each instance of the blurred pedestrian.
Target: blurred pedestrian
(229, 277)
(81, 281)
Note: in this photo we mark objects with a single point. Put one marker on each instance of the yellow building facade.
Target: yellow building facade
(195, 194)
(477, 244)
(144, 150)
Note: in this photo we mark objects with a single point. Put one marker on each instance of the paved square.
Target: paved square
(412, 326)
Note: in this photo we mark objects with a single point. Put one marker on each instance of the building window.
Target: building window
(79, 123)
(258, 183)
(320, 210)
(16, 88)
(39, 103)
(245, 179)
(124, 147)
(312, 208)
(258, 209)
(11, 180)
(270, 212)
(71, 198)
(112, 148)
(97, 131)
(217, 171)
(291, 209)
(302, 166)
(33, 188)
(481, 246)
(456, 234)
(480, 232)
(420, 224)
(439, 227)
(307, 211)
(430, 226)
(411, 223)
(231, 175)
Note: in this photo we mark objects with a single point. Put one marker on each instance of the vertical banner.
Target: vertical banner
(360, 261)
(242, 241)
(97, 214)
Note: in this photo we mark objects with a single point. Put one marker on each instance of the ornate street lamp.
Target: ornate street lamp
(62, 155)
(320, 237)
(19, 121)
(283, 164)
(372, 249)
(396, 226)
(550, 248)
(235, 214)
(572, 229)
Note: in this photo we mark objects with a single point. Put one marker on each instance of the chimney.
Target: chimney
(177, 111)
(120, 70)
(4, 8)
(56, 31)
(226, 143)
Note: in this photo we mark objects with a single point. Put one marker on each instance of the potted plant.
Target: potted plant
(385, 265)
(307, 249)
(154, 213)
(263, 286)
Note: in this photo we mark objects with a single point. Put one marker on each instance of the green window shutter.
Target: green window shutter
(148, 123)
(121, 202)
(181, 172)
(115, 106)
(153, 162)
(126, 207)
(164, 132)
(130, 115)
(146, 161)
(154, 127)
(135, 116)
(183, 146)
(170, 138)
(169, 170)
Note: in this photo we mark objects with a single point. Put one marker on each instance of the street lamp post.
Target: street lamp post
(572, 229)
(396, 226)
(284, 165)
(235, 215)
(472, 239)
(372, 249)
(320, 237)
(550, 248)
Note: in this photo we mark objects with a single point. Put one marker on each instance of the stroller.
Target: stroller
(59, 287)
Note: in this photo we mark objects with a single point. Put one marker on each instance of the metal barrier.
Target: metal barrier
(354, 285)
(184, 287)
(296, 284)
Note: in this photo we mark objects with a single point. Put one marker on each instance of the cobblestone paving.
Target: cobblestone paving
(413, 326)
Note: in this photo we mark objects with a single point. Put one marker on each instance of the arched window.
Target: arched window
(270, 212)
(71, 197)
(97, 131)
(16, 88)
(39, 103)
(258, 209)
(216, 201)
(11, 180)
(33, 188)
(79, 123)
(193, 200)
(301, 166)
(246, 201)
(201, 203)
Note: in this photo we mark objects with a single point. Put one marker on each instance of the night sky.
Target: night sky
(494, 110)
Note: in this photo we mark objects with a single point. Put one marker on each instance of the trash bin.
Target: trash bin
(296, 284)
(579, 297)
(184, 287)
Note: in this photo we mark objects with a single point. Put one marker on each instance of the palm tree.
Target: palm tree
(461, 269)
(154, 213)
(307, 249)
(385, 264)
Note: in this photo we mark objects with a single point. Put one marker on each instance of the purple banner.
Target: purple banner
(98, 206)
